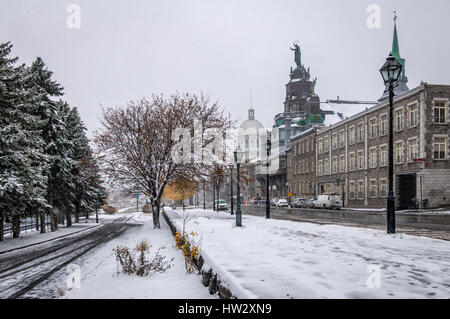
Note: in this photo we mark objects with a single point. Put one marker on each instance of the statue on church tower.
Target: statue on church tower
(298, 55)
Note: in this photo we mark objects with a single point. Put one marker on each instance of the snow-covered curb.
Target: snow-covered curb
(213, 276)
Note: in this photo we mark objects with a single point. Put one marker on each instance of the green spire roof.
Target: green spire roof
(396, 48)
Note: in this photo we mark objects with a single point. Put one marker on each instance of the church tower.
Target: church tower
(403, 80)
(300, 87)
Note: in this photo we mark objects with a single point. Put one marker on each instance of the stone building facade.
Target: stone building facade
(301, 164)
(352, 155)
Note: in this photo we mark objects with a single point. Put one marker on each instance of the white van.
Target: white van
(328, 201)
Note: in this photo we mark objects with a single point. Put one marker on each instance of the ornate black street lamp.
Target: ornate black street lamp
(214, 194)
(269, 147)
(204, 196)
(238, 154)
(390, 72)
(231, 185)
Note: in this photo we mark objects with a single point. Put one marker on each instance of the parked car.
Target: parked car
(298, 202)
(282, 203)
(273, 202)
(221, 205)
(328, 201)
(308, 203)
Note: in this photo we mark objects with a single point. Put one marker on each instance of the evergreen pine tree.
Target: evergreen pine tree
(56, 137)
(22, 162)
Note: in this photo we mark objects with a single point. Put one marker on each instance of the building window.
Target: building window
(351, 161)
(360, 160)
(373, 128)
(440, 112)
(413, 149)
(352, 136)
(320, 146)
(334, 141)
(373, 157)
(373, 188)
(398, 120)
(440, 148)
(383, 155)
(326, 144)
(398, 152)
(351, 188)
(341, 139)
(335, 165)
(383, 125)
(360, 189)
(312, 166)
(412, 115)
(326, 167)
(383, 187)
(361, 132)
(342, 163)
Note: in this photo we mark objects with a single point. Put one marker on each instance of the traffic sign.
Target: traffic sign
(290, 194)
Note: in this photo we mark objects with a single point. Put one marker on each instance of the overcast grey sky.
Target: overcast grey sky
(128, 49)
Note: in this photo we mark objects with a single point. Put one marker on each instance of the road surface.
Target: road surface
(24, 274)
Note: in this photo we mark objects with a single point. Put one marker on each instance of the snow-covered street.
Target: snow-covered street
(285, 259)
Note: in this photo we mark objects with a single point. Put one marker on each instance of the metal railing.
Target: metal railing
(27, 224)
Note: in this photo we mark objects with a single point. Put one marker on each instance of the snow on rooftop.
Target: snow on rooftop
(342, 110)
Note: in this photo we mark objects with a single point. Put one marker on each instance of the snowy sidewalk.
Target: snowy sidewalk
(284, 259)
(99, 278)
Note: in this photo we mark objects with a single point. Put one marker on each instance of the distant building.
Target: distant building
(253, 145)
(303, 110)
(349, 154)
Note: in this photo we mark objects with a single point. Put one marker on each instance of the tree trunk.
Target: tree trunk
(54, 220)
(1, 227)
(42, 218)
(16, 226)
(61, 215)
(86, 214)
(96, 215)
(155, 208)
(77, 216)
(37, 220)
(68, 217)
(182, 200)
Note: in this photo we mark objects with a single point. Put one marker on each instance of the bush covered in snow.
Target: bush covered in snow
(134, 261)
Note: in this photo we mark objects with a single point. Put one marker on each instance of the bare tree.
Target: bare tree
(136, 143)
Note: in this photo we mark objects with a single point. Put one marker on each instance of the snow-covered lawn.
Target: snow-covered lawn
(285, 259)
(99, 278)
